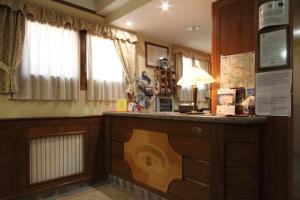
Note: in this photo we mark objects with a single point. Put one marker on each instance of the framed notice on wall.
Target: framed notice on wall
(274, 48)
(273, 13)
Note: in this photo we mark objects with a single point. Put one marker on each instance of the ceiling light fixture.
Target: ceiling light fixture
(193, 28)
(129, 23)
(165, 6)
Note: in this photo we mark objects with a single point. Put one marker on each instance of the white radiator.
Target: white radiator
(55, 157)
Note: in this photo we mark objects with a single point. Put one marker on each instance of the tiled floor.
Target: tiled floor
(101, 192)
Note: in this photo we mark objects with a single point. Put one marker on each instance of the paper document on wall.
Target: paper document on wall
(273, 93)
(238, 70)
(273, 13)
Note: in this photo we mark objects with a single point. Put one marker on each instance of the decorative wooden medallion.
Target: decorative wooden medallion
(152, 159)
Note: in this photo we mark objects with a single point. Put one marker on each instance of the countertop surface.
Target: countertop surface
(208, 118)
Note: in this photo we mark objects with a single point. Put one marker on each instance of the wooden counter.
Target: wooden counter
(207, 157)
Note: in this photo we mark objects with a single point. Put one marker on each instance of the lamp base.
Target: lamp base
(195, 90)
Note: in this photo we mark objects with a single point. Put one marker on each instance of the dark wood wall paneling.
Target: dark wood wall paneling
(277, 157)
(14, 152)
(235, 30)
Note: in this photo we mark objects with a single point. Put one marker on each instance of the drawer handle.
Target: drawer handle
(196, 129)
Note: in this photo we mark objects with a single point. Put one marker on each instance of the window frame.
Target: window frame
(83, 64)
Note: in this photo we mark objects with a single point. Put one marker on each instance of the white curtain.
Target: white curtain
(185, 93)
(50, 64)
(104, 70)
(126, 52)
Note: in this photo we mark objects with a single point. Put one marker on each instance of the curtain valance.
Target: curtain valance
(38, 12)
(191, 53)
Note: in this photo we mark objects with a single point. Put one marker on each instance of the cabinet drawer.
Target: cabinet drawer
(241, 179)
(120, 167)
(191, 147)
(174, 127)
(120, 134)
(192, 129)
(232, 196)
(187, 190)
(196, 170)
(117, 149)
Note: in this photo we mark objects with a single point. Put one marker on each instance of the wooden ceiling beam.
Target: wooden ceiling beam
(103, 4)
(125, 9)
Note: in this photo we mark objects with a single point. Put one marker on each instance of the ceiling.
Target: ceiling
(148, 18)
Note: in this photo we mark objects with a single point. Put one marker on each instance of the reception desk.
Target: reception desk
(186, 157)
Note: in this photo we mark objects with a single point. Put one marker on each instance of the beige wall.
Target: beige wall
(141, 61)
(140, 51)
(17, 109)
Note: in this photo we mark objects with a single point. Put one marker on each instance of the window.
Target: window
(185, 94)
(50, 63)
(188, 63)
(104, 70)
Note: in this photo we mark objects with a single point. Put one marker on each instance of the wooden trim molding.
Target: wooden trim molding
(83, 63)
(77, 7)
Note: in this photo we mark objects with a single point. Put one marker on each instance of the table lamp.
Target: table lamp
(195, 76)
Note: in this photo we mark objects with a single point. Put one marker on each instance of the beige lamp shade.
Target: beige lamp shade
(196, 76)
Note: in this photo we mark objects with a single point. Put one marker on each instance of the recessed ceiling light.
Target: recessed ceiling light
(165, 6)
(193, 28)
(129, 23)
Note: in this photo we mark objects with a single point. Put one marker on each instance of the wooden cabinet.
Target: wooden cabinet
(166, 81)
(219, 160)
(235, 29)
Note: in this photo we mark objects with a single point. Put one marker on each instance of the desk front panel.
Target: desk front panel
(214, 160)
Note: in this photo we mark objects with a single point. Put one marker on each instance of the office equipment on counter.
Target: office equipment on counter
(185, 108)
(164, 103)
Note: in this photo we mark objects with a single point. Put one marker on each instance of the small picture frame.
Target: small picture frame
(154, 54)
(274, 50)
